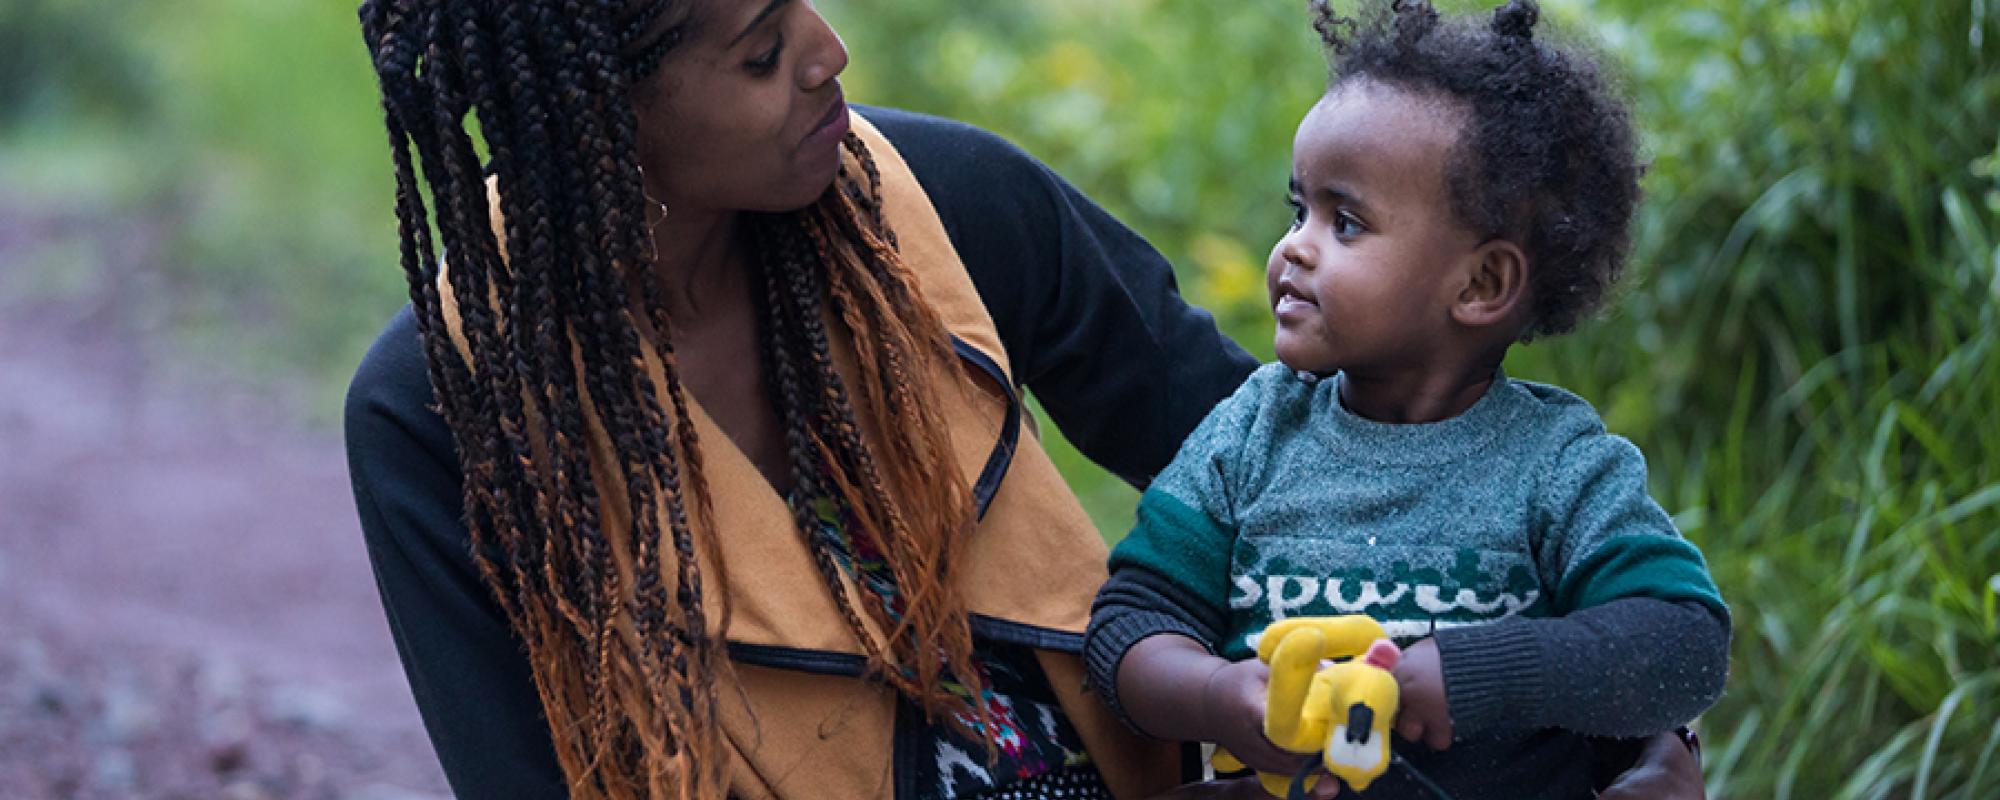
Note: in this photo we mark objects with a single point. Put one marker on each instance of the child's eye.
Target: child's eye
(1347, 226)
(767, 61)
(1298, 210)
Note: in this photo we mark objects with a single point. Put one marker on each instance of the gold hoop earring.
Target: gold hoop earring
(652, 247)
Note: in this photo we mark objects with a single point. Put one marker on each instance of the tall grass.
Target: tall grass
(1809, 362)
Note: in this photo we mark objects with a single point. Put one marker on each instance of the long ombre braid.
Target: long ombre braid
(599, 564)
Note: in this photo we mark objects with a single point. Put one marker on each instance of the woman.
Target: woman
(724, 436)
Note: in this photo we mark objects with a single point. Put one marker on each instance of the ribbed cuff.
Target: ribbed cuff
(1492, 677)
(1111, 637)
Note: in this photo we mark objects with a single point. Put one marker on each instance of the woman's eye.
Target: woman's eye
(766, 61)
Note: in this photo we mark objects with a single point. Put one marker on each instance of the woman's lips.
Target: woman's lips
(832, 128)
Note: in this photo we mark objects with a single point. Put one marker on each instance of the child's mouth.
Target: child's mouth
(1292, 303)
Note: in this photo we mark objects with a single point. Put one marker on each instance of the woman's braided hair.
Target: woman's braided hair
(1548, 157)
(598, 562)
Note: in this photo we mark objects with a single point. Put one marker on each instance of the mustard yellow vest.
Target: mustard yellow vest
(798, 720)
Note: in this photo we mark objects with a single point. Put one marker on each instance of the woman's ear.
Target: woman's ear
(1496, 285)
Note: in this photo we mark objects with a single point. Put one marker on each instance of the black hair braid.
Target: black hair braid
(630, 409)
(447, 165)
(509, 367)
(799, 399)
(672, 450)
(491, 476)
(841, 427)
(568, 578)
(538, 355)
(436, 63)
(585, 581)
(576, 580)
(795, 405)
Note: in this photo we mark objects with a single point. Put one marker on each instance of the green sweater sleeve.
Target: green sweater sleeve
(1186, 523)
(1640, 640)
(1170, 575)
(1604, 538)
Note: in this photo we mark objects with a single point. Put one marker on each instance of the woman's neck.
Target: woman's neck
(698, 258)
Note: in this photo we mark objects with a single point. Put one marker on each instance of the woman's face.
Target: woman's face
(746, 113)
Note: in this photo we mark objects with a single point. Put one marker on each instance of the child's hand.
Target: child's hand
(1232, 706)
(1424, 716)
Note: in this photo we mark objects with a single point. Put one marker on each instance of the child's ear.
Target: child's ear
(1496, 285)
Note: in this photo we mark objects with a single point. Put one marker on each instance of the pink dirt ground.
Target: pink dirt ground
(186, 608)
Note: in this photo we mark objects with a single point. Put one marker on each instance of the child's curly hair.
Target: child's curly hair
(1548, 158)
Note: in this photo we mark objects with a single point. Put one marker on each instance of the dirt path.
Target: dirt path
(186, 609)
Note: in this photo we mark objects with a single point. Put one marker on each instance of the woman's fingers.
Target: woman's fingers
(1665, 771)
(1234, 789)
(1267, 757)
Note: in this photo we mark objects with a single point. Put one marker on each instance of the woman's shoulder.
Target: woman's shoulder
(389, 401)
(968, 171)
(947, 146)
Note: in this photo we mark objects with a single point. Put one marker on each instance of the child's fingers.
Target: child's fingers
(1415, 729)
(1410, 727)
(1437, 737)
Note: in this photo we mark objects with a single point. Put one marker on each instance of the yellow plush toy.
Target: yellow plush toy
(1341, 710)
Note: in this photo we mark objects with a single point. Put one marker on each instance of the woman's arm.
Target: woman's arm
(465, 665)
(1088, 311)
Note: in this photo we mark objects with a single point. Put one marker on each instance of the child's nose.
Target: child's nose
(1296, 251)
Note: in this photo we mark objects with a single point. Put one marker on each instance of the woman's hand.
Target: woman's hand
(1229, 789)
(1232, 711)
(1666, 770)
(1423, 716)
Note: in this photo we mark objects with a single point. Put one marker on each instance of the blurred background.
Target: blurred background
(196, 246)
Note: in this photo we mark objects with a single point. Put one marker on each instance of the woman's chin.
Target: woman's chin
(811, 186)
(789, 199)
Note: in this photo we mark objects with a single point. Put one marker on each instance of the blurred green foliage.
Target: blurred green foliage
(239, 138)
(1804, 348)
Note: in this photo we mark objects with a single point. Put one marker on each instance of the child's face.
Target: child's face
(1367, 277)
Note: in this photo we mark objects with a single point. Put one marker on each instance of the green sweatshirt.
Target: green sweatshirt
(1283, 503)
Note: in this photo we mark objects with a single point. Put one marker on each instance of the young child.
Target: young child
(1461, 186)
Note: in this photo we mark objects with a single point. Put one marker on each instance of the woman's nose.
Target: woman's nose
(828, 58)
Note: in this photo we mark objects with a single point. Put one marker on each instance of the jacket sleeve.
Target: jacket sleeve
(1089, 312)
(466, 668)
